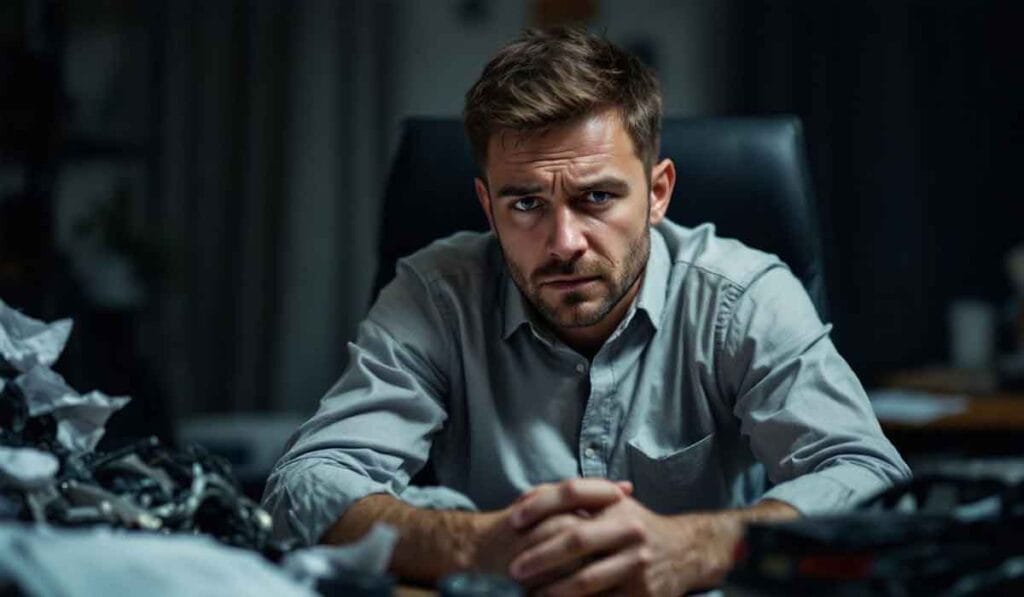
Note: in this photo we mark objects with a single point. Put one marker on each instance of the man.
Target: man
(611, 393)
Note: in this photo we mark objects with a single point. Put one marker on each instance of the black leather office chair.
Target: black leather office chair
(748, 176)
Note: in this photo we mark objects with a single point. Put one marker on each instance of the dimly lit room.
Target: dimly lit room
(507, 297)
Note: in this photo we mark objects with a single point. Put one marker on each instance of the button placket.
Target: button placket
(594, 430)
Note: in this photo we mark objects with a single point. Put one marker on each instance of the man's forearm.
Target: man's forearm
(719, 532)
(764, 511)
(431, 543)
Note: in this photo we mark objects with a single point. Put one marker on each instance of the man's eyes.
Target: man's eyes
(526, 204)
(591, 197)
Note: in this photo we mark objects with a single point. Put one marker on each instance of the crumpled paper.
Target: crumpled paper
(80, 417)
(27, 468)
(98, 562)
(370, 554)
(26, 343)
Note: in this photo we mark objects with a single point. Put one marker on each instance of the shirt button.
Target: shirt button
(589, 453)
(581, 368)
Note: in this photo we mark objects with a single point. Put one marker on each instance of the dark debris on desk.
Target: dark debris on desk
(50, 471)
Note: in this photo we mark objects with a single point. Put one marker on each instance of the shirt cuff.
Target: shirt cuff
(306, 497)
(835, 489)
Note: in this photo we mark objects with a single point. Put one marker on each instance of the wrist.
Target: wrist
(704, 547)
(725, 528)
(479, 551)
(720, 532)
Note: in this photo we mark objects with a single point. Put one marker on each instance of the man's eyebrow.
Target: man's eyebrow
(609, 184)
(515, 190)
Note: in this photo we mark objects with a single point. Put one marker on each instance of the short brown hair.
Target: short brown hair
(550, 77)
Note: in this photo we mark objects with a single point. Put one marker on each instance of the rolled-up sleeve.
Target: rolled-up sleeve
(373, 429)
(807, 417)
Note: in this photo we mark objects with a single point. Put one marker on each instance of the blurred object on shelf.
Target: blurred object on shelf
(972, 334)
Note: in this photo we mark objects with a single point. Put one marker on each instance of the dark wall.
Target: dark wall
(253, 135)
(913, 118)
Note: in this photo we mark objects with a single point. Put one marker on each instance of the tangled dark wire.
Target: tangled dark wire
(50, 473)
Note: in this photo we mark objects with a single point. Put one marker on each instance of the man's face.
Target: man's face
(571, 208)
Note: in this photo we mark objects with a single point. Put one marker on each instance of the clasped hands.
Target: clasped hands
(589, 536)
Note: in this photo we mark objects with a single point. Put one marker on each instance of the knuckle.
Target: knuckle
(571, 489)
(637, 531)
(564, 522)
(644, 557)
(582, 583)
(575, 540)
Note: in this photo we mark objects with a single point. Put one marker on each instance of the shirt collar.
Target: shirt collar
(514, 307)
(650, 300)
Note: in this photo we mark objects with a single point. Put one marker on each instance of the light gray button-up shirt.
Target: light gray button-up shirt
(719, 387)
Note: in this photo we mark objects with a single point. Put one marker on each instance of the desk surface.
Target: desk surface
(990, 425)
(996, 412)
(987, 409)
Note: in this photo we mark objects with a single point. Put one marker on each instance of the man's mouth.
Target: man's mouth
(569, 283)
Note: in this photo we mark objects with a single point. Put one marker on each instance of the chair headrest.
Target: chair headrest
(748, 176)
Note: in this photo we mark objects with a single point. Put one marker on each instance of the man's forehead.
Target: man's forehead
(597, 132)
(582, 148)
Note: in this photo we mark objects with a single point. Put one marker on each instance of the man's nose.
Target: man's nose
(567, 241)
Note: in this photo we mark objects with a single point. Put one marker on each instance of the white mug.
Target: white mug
(972, 333)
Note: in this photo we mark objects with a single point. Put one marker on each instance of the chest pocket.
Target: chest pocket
(676, 480)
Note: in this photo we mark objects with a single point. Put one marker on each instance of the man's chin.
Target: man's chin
(580, 315)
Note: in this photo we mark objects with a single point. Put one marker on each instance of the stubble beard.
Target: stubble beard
(569, 313)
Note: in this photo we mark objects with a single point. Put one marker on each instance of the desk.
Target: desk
(991, 424)
(995, 412)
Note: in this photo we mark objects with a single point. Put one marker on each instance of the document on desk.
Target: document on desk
(914, 408)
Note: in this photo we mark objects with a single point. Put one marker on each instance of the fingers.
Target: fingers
(551, 577)
(531, 492)
(602, 575)
(547, 529)
(625, 486)
(572, 545)
(548, 500)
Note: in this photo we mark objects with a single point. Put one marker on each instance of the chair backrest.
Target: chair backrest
(748, 176)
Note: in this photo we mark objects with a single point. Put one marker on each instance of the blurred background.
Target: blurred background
(198, 183)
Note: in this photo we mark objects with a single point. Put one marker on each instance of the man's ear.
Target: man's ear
(663, 180)
(484, 197)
